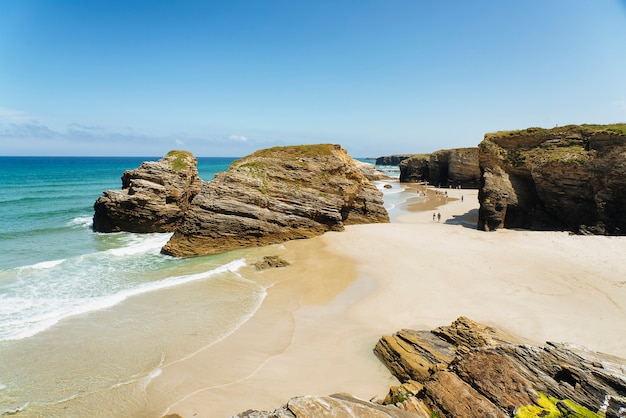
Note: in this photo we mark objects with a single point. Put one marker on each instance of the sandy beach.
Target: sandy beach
(315, 331)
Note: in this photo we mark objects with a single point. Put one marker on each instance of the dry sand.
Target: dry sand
(315, 331)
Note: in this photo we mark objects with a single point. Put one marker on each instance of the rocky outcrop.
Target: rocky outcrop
(392, 159)
(472, 370)
(154, 197)
(454, 167)
(491, 374)
(369, 171)
(275, 195)
(569, 178)
(334, 406)
(271, 196)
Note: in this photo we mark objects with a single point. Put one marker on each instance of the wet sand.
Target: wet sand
(315, 331)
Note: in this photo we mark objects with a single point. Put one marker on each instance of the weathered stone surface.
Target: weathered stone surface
(271, 196)
(334, 406)
(449, 396)
(568, 178)
(369, 171)
(492, 375)
(271, 261)
(153, 198)
(275, 195)
(414, 355)
(454, 167)
(415, 169)
(464, 332)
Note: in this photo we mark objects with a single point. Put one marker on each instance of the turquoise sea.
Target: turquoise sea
(59, 282)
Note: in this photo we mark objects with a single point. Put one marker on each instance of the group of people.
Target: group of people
(437, 215)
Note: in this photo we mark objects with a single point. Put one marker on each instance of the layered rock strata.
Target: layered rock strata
(454, 167)
(271, 196)
(153, 198)
(491, 374)
(275, 195)
(569, 178)
(472, 370)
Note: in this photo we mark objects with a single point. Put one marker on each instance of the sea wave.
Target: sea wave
(81, 221)
(25, 316)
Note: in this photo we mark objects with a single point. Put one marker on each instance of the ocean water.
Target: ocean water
(59, 282)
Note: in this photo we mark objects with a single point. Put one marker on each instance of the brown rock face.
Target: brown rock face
(153, 198)
(276, 195)
(570, 178)
(271, 196)
(493, 376)
(455, 167)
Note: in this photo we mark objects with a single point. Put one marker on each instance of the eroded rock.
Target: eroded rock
(570, 178)
(154, 197)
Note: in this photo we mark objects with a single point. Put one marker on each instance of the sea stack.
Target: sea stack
(153, 198)
(271, 196)
(570, 178)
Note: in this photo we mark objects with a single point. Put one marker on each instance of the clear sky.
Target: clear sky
(224, 78)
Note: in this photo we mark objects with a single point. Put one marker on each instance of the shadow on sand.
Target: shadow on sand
(467, 220)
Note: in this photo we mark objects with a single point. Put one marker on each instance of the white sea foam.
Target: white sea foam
(45, 264)
(142, 244)
(27, 316)
(81, 221)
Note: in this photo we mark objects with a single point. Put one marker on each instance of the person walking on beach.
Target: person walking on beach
(438, 216)
(434, 216)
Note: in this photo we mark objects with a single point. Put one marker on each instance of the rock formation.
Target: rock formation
(275, 195)
(471, 370)
(153, 198)
(567, 178)
(454, 167)
(392, 159)
(271, 196)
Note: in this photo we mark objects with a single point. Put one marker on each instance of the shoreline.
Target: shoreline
(315, 331)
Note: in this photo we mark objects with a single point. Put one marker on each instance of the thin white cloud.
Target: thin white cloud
(179, 142)
(238, 138)
(14, 116)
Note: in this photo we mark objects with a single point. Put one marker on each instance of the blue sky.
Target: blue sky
(224, 78)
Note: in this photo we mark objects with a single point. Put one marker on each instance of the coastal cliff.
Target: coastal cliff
(472, 370)
(153, 198)
(568, 178)
(453, 167)
(271, 196)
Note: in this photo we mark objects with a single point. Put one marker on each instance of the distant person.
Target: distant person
(434, 216)
(438, 216)
(461, 198)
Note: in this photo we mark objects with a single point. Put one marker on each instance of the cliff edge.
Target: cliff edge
(570, 178)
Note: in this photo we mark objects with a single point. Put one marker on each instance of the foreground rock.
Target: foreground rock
(275, 195)
(471, 370)
(271, 196)
(154, 197)
(568, 178)
(453, 167)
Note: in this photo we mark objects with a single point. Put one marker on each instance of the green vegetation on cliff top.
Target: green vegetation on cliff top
(178, 163)
(296, 151)
(616, 128)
